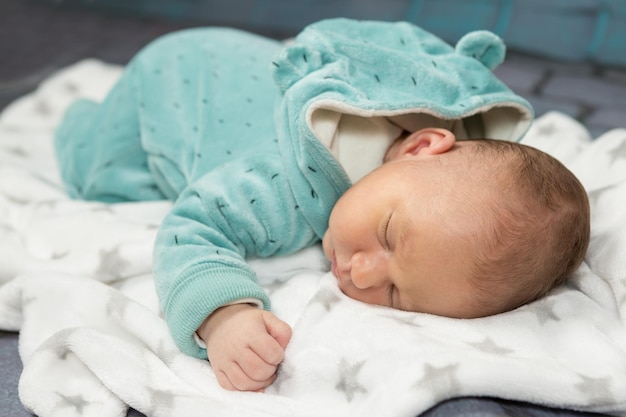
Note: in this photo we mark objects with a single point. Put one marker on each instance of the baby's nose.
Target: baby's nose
(366, 270)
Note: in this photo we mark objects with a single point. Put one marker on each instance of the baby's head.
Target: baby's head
(460, 229)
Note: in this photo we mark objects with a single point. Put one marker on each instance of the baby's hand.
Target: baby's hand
(245, 345)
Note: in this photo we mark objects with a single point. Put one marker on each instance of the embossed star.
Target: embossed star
(160, 400)
(546, 129)
(62, 352)
(403, 319)
(43, 107)
(619, 152)
(76, 401)
(284, 373)
(489, 346)
(545, 311)
(16, 200)
(348, 379)
(117, 305)
(47, 203)
(18, 152)
(597, 389)
(102, 207)
(58, 255)
(326, 297)
(111, 264)
(272, 287)
(439, 379)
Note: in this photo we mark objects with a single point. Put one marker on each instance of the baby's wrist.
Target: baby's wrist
(218, 316)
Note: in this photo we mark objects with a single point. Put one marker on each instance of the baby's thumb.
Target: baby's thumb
(278, 329)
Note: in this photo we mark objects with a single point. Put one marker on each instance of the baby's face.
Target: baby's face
(394, 239)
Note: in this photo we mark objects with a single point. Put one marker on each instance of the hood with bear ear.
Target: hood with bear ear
(352, 87)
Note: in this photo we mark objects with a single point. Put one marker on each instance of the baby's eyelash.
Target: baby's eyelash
(385, 230)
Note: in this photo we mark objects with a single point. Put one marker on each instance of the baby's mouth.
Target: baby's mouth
(333, 265)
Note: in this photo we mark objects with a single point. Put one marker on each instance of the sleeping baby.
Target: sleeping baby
(368, 136)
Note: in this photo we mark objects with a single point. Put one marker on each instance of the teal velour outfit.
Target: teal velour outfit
(255, 140)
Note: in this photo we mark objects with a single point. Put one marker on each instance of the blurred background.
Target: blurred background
(565, 55)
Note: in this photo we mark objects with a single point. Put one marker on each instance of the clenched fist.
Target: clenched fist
(245, 345)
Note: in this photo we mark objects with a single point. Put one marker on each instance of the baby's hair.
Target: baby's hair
(537, 227)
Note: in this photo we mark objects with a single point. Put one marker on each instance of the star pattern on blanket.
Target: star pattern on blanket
(16, 200)
(439, 379)
(597, 389)
(326, 298)
(284, 373)
(62, 352)
(51, 204)
(489, 346)
(58, 255)
(71, 87)
(116, 306)
(271, 287)
(406, 320)
(619, 152)
(545, 311)
(104, 208)
(160, 401)
(17, 151)
(111, 264)
(348, 379)
(76, 402)
(42, 107)
(28, 299)
(7, 228)
(546, 129)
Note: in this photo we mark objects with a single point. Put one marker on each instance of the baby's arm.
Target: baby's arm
(200, 266)
(245, 345)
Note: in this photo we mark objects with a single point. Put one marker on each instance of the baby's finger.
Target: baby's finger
(224, 381)
(255, 366)
(237, 379)
(267, 348)
(279, 330)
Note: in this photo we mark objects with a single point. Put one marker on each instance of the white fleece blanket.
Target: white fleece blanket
(76, 283)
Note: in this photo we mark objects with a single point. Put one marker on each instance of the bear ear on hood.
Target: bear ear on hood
(293, 63)
(484, 46)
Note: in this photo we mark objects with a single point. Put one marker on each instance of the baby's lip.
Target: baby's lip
(333, 266)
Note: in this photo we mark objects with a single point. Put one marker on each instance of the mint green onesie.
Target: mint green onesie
(255, 140)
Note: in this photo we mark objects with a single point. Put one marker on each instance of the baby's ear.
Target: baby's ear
(293, 63)
(425, 142)
(484, 46)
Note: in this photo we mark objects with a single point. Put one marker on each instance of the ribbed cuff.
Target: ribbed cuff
(202, 290)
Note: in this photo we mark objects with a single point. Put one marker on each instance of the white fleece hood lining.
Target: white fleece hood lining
(347, 131)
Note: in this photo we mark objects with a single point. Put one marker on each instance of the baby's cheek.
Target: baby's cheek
(326, 246)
